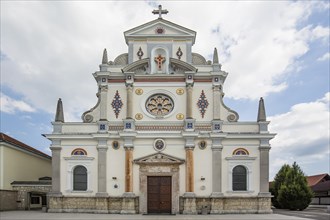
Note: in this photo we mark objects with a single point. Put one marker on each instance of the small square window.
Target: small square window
(102, 127)
(216, 79)
(103, 79)
(217, 127)
(128, 126)
(189, 125)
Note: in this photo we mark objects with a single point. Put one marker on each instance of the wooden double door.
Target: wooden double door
(159, 194)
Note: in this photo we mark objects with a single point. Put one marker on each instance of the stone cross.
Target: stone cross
(160, 11)
(159, 60)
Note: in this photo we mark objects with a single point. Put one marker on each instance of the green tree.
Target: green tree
(294, 193)
(278, 182)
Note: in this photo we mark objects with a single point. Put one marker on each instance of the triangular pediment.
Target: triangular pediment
(159, 158)
(149, 30)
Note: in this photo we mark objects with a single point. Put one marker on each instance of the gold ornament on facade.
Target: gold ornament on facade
(138, 116)
(115, 145)
(179, 91)
(180, 116)
(202, 145)
(139, 91)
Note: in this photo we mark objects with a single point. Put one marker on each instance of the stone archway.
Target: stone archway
(159, 164)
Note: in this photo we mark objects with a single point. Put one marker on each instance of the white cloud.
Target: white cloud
(11, 106)
(54, 56)
(325, 57)
(302, 135)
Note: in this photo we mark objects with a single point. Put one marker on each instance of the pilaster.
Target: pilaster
(103, 102)
(216, 102)
(128, 169)
(129, 88)
(102, 149)
(264, 167)
(56, 168)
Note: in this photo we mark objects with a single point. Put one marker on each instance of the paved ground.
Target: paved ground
(312, 213)
(38, 215)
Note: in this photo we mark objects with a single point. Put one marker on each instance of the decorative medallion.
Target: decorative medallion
(159, 144)
(139, 91)
(180, 91)
(160, 30)
(117, 104)
(179, 53)
(159, 105)
(180, 116)
(138, 116)
(202, 145)
(115, 145)
(140, 53)
(202, 103)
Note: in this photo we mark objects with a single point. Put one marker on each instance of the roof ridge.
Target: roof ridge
(11, 140)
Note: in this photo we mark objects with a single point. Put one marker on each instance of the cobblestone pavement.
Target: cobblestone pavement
(38, 215)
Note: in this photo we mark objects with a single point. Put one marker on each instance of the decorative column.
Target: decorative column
(216, 102)
(129, 198)
(264, 167)
(129, 170)
(189, 197)
(56, 169)
(129, 88)
(189, 101)
(103, 102)
(102, 149)
(217, 195)
(189, 170)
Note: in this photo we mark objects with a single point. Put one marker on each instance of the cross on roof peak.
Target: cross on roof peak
(160, 11)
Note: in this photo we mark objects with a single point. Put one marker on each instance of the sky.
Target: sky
(278, 50)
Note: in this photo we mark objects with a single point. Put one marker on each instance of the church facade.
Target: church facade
(160, 138)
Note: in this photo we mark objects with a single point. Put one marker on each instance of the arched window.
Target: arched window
(79, 152)
(239, 178)
(80, 178)
(240, 152)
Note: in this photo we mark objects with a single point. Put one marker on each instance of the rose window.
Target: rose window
(159, 105)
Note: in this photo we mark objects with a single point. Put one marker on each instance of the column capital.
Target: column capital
(55, 148)
(129, 85)
(216, 88)
(102, 148)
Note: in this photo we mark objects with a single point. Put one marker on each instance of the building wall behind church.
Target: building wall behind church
(17, 165)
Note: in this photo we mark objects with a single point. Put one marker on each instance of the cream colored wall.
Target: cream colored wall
(139, 101)
(203, 168)
(253, 148)
(17, 165)
(183, 47)
(136, 47)
(67, 148)
(116, 168)
(112, 88)
(197, 91)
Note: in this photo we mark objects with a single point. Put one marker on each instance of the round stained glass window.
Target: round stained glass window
(159, 105)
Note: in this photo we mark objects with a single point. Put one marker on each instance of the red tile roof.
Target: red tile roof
(10, 140)
(313, 180)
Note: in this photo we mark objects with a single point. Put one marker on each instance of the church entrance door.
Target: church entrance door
(159, 194)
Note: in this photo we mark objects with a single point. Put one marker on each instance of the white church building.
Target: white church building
(160, 138)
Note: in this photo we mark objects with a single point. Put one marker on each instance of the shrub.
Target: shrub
(291, 191)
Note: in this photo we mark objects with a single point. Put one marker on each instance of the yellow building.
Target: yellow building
(20, 163)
